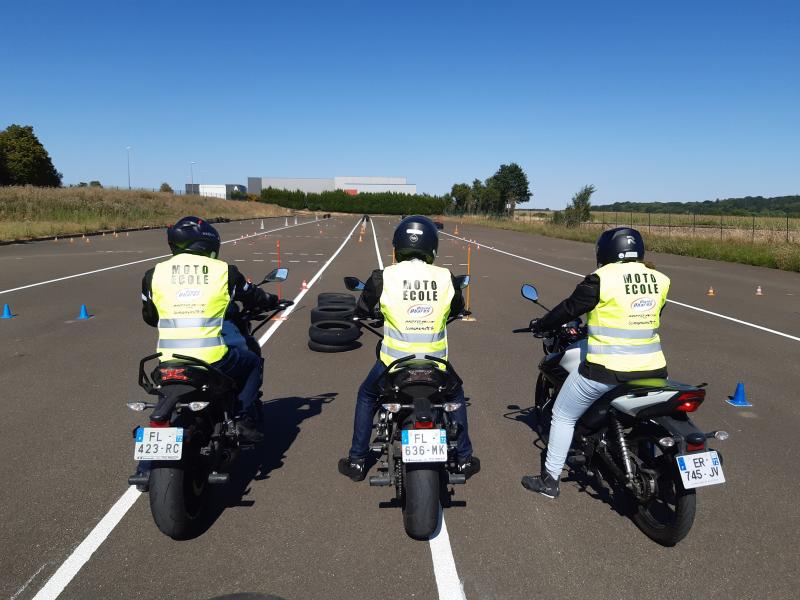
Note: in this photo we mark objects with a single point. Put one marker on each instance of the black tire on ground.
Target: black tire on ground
(332, 312)
(178, 500)
(420, 500)
(668, 518)
(327, 298)
(334, 333)
(317, 347)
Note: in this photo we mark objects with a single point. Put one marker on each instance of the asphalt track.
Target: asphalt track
(290, 526)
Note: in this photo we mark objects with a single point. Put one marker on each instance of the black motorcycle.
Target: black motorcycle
(415, 436)
(638, 437)
(191, 441)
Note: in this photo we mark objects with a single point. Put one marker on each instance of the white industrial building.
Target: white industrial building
(351, 185)
(213, 190)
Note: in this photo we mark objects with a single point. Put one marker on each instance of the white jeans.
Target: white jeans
(576, 396)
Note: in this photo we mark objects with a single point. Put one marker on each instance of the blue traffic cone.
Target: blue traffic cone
(7, 314)
(84, 313)
(738, 398)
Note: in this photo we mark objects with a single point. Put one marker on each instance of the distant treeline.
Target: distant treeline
(749, 205)
(340, 201)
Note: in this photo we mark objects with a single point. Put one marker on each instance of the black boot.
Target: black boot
(354, 468)
(468, 466)
(248, 430)
(544, 484)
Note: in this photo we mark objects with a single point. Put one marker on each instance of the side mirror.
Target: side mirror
(277, 275)
(530, 292)
(462, 281)
(354, 284)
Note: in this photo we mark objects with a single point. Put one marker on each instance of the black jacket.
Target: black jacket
(583, 300)
(369, 301)
(251, 296)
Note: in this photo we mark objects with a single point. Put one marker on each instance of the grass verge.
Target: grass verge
(761, 254)
(30, 212)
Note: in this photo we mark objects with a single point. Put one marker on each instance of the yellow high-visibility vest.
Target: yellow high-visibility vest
(623, 327)
(191, 295)
(415, 303)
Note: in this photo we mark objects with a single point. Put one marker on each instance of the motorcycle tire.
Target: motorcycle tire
(331, 298)
(668, 516)
(421, 503)
(332, 312)
(317, 347)
(178, 499)
(334, 333)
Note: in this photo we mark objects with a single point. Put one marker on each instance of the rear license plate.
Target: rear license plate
(424, 445)
(701, 469)
(158, 443)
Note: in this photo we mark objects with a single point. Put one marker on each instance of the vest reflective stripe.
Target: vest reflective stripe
(623, 327)
(196, 343)
(191, 295)
(420, 338)
(626, 350)
(194, 322)
(635, 334)
(395, 354)
(415, 302)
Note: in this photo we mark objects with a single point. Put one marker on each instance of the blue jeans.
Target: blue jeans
(576, 396)
(367, 405)
(246, 369)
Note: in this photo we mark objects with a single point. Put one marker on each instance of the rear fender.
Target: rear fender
(168, 397)
(679, 429)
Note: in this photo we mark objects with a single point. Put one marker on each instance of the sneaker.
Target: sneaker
(468, 466)
(545, 484)
(354, 468)
(248, 431)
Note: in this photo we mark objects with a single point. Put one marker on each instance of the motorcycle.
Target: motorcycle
(191, 442)
(415, 436)
(638, 436)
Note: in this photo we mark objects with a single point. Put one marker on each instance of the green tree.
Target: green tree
(579, 210)
(461, 193)
(25, 161)
(512, 183)
(95, 183)
(165, 187)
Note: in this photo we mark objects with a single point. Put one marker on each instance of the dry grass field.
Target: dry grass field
(31, 212)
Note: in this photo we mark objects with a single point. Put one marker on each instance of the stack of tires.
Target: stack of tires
(332, 326)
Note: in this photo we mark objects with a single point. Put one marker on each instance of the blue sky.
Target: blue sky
(647, 101)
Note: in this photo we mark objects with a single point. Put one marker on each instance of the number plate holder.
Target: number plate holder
(424, 445)
(158, 443)
(700, 469)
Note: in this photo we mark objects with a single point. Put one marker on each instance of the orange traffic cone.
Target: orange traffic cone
(456, 231)
(758, 291)
(711, 291)
(305, 285)
(359, 238)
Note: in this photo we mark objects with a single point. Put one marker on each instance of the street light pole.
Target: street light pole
(191, 169)
(128, 148)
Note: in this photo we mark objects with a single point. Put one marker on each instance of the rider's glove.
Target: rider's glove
(270, 302)
(534, 326)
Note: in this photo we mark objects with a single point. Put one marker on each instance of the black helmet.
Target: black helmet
(622, 244)
(194, 236)
(416, 237)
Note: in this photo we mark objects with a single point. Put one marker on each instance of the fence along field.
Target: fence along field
(722, 227)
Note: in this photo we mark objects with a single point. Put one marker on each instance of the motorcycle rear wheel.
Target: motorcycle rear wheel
(420, 500)
(178, 499)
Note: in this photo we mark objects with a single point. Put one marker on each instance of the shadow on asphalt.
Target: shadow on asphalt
(592, 483)
(282, 418)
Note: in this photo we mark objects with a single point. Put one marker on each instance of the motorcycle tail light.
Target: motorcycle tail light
(695, 447)
(159, 423)
(690, 401)
(423, 425)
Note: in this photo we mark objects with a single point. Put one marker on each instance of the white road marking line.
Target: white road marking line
(239, 260)
(81, 555)
(318, 254)
(444, 565)
(258, 260)
(377, 251)
(447, 264)
(312, 261)
(27, 583)
(689, 306)
(135, 262)
(268, 334)
(294, 261)
(56, 584)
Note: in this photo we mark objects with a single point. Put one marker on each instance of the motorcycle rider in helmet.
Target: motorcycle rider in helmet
(191, 299)
(415, 242)
(623, 300)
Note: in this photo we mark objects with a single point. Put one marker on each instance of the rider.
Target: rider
(191, 299)
(623, 300)
(394, 291)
